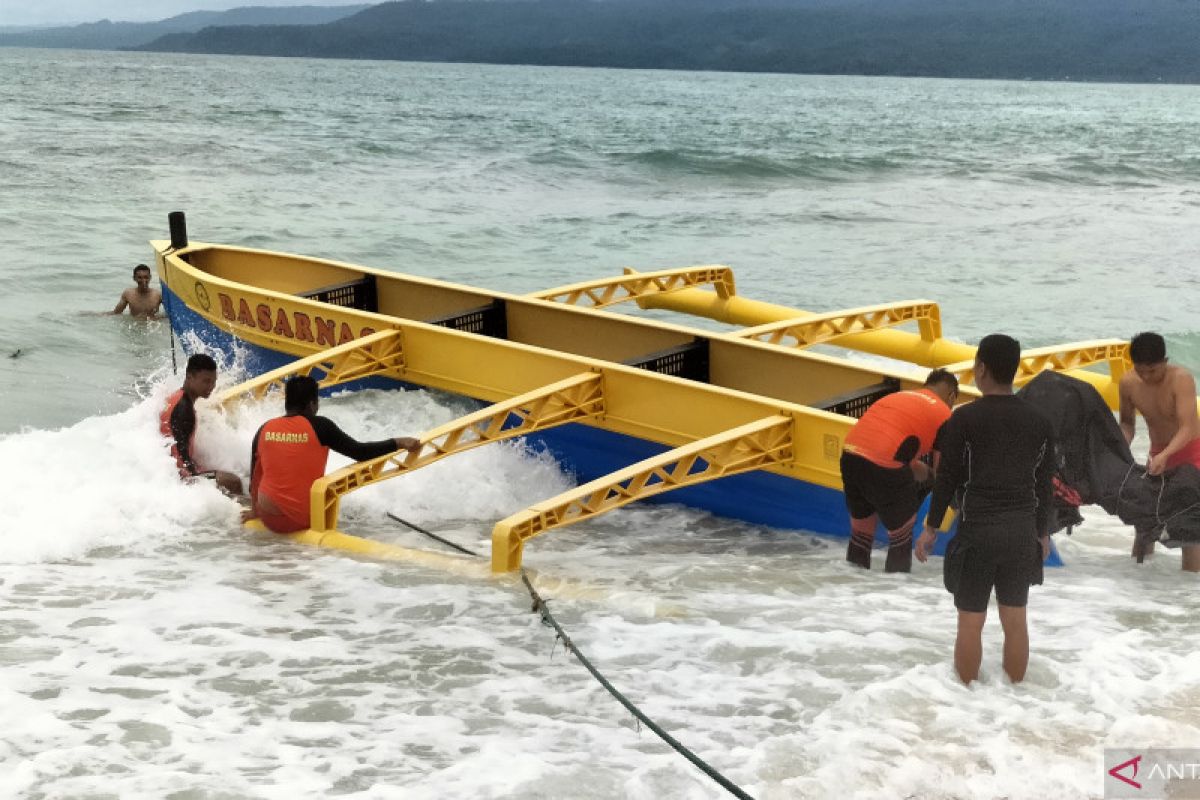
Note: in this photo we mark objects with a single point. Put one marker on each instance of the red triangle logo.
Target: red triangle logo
(1116, 772)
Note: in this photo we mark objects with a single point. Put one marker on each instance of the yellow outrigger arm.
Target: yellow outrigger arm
(806, 331)
(374, 354)
(755, 445)
(573, 399)
(1060, 358)
(634, 285)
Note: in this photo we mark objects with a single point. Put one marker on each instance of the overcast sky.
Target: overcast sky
(63, 12)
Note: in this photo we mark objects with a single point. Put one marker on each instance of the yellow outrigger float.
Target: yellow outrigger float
(748, 423)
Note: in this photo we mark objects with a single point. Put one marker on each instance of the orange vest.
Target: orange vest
(877, 436)
(164, 427)
(289, 459)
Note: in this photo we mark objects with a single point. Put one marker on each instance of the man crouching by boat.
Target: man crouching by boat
(290, 452)
(998, 458)
(882, 474)
(178, 422)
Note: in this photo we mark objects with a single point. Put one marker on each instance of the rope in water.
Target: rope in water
(541, 608)
(433, 536)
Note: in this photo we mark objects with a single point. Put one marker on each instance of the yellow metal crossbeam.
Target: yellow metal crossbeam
(817, 328)
(1060, 358)
(752, 446)
(633, 285)
(375, 354)
(573, 399)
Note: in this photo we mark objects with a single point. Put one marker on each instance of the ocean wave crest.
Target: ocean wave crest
(816, 166)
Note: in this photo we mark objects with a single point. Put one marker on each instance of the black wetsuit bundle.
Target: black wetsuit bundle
(1096, 466)
(997, 463)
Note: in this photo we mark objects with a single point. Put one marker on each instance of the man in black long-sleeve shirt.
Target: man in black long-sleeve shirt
(997, 459)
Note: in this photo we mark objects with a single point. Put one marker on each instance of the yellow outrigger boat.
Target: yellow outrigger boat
(748, 423)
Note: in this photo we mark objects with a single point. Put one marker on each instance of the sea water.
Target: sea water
(151, 648)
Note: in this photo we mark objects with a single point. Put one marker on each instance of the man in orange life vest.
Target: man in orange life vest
(882, 474)
(290, 452)
(178, 422)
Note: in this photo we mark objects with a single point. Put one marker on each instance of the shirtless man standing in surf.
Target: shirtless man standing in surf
(1165, 395)
(142, 301)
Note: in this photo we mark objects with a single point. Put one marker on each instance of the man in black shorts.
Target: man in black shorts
(997, 457)
(884, 477)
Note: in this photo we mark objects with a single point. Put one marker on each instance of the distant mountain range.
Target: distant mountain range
(106, 35)
(1094, 40)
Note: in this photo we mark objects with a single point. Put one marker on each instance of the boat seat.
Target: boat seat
(359, 294)
(487, 320)
(688, 361)
(855, 403)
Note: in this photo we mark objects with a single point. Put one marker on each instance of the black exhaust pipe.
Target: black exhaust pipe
(178, 225)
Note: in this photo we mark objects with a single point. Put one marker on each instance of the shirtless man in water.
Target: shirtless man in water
(141, 300)
(1165, 395)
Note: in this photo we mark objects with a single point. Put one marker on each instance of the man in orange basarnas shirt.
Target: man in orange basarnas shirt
(289, 453)
(882, 474)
